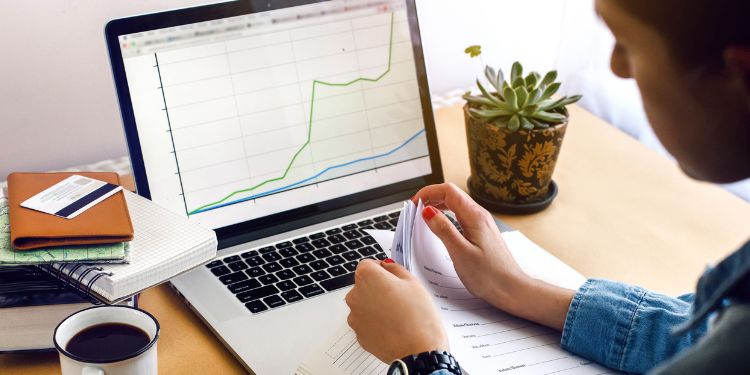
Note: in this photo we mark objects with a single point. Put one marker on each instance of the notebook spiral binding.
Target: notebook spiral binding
(66, 274)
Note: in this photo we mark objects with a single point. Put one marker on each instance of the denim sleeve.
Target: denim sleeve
(626, 327)
(441, 372)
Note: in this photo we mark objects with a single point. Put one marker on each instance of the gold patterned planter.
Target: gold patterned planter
(511, 172)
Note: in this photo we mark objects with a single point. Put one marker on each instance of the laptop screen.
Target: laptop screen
(239, 118)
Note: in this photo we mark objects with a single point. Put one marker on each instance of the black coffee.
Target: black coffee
(107, 342)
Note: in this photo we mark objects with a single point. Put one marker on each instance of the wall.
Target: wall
(57, 101)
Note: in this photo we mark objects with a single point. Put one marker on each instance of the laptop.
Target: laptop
(290, 127)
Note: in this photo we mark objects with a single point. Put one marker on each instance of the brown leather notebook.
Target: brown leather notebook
(106, 222)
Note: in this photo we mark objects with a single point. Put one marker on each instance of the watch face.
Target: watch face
(396, 368)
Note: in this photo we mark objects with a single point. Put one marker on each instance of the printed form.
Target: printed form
(483, 339)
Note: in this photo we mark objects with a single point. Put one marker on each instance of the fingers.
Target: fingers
(451, 197)
(439, 224)
(396, 269)
(370, 271)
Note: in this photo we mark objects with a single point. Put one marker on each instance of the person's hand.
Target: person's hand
(391, 313)
(483, 262)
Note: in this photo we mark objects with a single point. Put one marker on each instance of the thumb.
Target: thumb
(396, 269)
(443, 228)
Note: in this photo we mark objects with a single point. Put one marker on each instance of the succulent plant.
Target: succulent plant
(521, 103)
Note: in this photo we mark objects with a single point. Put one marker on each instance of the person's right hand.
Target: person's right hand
(482, 259)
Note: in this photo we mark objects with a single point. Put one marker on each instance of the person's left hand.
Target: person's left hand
(392, 314)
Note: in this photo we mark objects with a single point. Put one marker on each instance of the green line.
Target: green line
(309, 126)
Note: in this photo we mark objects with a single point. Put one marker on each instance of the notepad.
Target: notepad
(484, 339)
(164, 245)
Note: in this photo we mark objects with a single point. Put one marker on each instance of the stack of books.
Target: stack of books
(100, 251)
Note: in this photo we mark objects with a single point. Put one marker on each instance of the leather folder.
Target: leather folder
(106, 222)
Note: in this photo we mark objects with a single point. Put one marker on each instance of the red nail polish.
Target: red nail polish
(429, 212)
(388, 260)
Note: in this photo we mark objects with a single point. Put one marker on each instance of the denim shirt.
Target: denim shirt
(631, 329)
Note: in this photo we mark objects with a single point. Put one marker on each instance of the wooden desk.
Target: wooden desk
(623, 213)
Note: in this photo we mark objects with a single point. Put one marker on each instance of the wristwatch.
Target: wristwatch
(424, 364)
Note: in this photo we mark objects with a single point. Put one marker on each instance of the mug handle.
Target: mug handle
(88, 370)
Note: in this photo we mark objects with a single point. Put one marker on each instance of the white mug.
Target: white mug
(142, 361)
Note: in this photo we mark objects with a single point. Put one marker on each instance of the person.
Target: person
(691, 61)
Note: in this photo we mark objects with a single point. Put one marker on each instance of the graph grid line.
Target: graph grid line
(223, 202)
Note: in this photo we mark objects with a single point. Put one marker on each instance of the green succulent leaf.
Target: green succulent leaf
(531, 80)
(538, 123)
(571, 99)
(511, 98)
(490, 112)
(473, 51)
(481, 100)
(496, 102)
(516, 71)
(534, 96)
(549, 78)
(550, 90)
(531, 109)
(526, 124)
(518, 82)
(549, 117)
(523, 96)
(549, 104)
(514, 123)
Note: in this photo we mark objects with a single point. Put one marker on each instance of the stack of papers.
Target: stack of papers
(483, 339)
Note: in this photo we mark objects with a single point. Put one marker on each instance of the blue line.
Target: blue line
(274, 191)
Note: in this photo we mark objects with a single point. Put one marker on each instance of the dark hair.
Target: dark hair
(698, 31)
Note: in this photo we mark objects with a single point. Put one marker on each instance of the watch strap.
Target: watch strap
(427, 362)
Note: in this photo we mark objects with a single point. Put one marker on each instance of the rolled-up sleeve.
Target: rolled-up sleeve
(626, 327)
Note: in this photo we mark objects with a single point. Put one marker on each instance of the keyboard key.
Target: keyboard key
(365, 223)
(304, 247)
(268, 279)
(272, 267)
(286, 285)
(232, 259)
(220, 271)
(393, 222)
(255, 272)
(244, 286)
(365, 229)
(320, 243)
(288, 252)
(352, 234)
(270, 257)
(320, 275)
(311, 290)
(302, 270)
(336, 271)
(319, 265)
(351, 255)
(256, 306)
(338, 282)
(368, 251)
(285, 274)
(233, 278)
(321, 254)
(283, 245)
(380, 218)
(289, 262)
(380, 256)
(377, 247)
(351, 266)
(317, 236)
(215, 263)
(257, 293)
(395, 215)
(353, 244)
(267, 249)
(336, 238)
(274, 301)
(303, 280)
(250, 254)
(333, 231)
(305, 258)
(349, 227)
(338, 249)
(291, 296)
(238, 266)
(368, 240)
(255, 261)
(383, 226)
(335, 260)
(300, 240)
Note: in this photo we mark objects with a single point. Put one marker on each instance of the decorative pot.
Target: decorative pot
(511, 172)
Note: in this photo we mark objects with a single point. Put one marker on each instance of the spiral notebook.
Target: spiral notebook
(164, 245)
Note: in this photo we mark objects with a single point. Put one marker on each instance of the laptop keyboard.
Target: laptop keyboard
(290, 271)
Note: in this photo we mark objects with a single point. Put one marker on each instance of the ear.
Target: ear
(738, 60)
